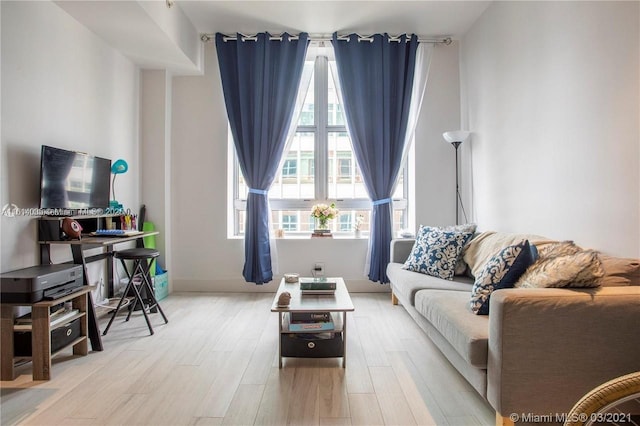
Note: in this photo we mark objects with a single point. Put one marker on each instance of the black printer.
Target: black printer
(30, 285)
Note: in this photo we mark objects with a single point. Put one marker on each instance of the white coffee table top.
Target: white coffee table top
(338, 302)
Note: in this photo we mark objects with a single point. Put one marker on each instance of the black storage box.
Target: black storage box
(308, 346)
(60, 337)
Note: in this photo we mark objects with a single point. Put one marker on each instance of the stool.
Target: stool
(142, 260)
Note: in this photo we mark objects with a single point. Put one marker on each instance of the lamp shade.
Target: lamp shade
(119, 167)
(456, 136)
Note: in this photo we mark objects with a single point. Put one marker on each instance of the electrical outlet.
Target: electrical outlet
(318, 269)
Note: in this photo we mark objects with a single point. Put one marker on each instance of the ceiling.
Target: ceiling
(155, 36)
(425, 18)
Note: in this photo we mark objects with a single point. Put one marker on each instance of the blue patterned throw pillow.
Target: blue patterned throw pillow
(501, 271)
(436, 251)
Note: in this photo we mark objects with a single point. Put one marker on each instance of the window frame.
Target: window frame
(321, 130)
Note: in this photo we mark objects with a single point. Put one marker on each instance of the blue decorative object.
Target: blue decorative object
(117, 168)
(376, 76)
(260, 78)
(501, 271)
(436, 252)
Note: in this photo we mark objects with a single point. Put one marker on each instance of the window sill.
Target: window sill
(308, 237)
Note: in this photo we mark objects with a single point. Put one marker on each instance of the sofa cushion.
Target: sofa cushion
(487, 244)
(405, 283)
(619, 271)
(501, 271)
(447, 312)
(436, 251)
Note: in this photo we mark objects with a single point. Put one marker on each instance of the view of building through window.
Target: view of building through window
(319, 166)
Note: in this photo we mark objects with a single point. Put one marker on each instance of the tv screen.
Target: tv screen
(73, 180)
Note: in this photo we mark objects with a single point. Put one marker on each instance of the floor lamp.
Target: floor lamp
(455, 138)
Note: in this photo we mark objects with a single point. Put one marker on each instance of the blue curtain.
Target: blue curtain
(260, 79)
(377, 79)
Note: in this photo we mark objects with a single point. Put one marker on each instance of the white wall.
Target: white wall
(204, 259)
(61, 86)
(551, 92)
(435, 158)
(155, 161)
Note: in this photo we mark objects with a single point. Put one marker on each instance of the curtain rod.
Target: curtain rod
(210, 37)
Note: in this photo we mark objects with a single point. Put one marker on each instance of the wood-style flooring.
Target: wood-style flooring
(215, 363)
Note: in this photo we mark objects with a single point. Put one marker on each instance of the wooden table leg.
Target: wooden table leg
(6, 340)
(280, 340)
(344, 340)
(41, 343)
(94, 331)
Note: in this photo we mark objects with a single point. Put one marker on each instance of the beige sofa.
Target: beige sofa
(539, 349)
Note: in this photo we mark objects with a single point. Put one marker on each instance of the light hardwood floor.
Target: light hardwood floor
(216, 363)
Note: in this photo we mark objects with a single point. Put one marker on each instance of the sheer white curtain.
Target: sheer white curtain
(423, 62)
(307, 72)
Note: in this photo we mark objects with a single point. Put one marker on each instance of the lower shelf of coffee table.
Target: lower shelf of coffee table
(312, 345)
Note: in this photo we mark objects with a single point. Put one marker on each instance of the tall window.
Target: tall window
(319, 167)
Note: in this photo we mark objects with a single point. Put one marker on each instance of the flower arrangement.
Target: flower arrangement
(359, 222)
(323, 213)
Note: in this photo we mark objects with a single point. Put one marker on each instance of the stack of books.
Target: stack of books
(310, 321)
(321, 233)
(317, 286)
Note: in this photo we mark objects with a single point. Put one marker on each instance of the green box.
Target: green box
(161, 285)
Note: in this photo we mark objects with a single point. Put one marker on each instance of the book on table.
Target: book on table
(312, 322)
(309, 316)
(317, 286)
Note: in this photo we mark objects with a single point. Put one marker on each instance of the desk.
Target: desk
(41, 333)
(77, 249)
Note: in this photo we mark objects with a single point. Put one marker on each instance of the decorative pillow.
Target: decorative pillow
(487, 244)
(461, 265)
(619, 271)
(501, 271)
(435, 252)
(560, 248)
(582, 269)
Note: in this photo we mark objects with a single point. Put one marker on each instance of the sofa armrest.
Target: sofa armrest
(548, 347)
(400, 249)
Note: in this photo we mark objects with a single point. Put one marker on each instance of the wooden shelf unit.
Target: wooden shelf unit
(41, 333)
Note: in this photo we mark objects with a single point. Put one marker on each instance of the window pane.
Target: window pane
(242, 219)
(296, 178)
(399, 191)
(344, 178)
(243, 188)
(307, 114)
(334, 109)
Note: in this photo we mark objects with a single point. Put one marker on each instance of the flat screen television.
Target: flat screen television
(73, 180)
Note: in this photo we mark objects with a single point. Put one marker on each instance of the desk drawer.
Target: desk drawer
(311, 345)
(60, 337)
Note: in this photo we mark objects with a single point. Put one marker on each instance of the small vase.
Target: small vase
(358, 233)
(322, 224)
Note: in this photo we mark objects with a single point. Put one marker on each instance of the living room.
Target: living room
(549, 91)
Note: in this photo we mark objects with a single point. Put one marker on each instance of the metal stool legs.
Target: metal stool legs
(140, 269)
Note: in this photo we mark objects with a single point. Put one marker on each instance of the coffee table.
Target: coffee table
(313, 344)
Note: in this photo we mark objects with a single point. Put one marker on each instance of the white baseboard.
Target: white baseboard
(240, 286)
